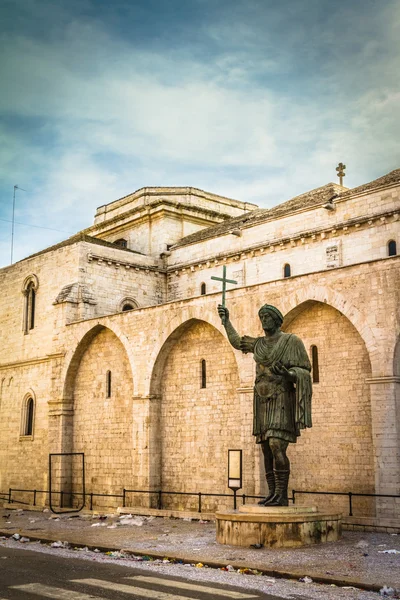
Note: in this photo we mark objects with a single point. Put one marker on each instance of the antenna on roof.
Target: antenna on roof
(340, 172)
(16, 187)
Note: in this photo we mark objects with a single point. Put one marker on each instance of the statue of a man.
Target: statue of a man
(282, 394)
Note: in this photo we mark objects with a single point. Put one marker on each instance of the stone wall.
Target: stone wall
(102, 426)
(327, 456)
(198, 425)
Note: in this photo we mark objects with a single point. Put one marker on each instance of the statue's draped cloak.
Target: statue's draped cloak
(281, 409)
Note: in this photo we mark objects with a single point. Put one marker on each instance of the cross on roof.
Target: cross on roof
(224, 282)
(340, 169)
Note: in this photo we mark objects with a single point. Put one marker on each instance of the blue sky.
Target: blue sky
(252, 99)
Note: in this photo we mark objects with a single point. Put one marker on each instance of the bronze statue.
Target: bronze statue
(282, 394)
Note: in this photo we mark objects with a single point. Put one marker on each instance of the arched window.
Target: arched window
(108, 384)
(203, 374)
(127, 306)
(121, 242)
(314, 364)
(127, 303)
(286, 270)
(391, 248)
(29, 290)
(203, 289)
(28, 415)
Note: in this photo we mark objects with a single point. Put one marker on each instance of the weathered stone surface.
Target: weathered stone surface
(277, 527)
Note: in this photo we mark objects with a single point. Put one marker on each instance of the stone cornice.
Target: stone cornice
(32, 361)
(108, 260)
(317, 234)
(149, 210)
(384, 379)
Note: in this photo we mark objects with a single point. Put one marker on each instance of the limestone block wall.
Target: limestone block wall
(102, 426)
(366, 294)
(310, 253)
(340, 442)
(302, 224)
(198, 425)
(113, 275)
(53, 270)
(24, 458)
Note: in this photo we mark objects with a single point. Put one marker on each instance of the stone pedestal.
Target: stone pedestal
(277, 526)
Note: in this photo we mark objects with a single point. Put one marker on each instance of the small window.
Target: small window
(286, 270)
(29, 290)
(203, 289)
(28, 414)
(203, 374)
(121, 242)
(314, 363)
(127, 303)
(127, 307)
(392, 248)
(108, 384)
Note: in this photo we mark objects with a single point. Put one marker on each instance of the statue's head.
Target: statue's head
(271, 318)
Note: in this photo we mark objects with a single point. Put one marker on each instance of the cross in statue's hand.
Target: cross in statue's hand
(224, 282)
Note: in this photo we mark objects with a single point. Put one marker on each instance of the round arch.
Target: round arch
(173, 330)
(309, 295)
(74, 356)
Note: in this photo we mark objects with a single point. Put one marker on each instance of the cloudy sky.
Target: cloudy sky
(253, 99)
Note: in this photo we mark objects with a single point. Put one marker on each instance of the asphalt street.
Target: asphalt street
(28, 575)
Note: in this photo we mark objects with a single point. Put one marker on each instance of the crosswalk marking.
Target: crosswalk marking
(191, 587)
(53, 592)
(132, 590)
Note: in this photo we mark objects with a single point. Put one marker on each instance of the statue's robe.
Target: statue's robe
(281, 408)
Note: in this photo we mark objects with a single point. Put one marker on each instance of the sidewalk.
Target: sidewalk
(360, 559)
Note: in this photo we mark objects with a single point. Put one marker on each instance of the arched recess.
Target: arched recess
(293, 304)
(196, 425)
(103, 419)
(74, 356)
(172, 328)
(87, 421)
(337, 453)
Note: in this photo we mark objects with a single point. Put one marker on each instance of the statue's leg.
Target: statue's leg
(269, 472)
(281, 472)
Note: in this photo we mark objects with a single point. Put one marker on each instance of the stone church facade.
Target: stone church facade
(112, 346)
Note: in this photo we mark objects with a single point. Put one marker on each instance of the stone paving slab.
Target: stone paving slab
(360, 559)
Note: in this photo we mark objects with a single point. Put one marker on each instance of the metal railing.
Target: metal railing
(350, 496)
(160, 494)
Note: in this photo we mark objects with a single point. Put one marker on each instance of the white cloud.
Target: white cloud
(245, 125)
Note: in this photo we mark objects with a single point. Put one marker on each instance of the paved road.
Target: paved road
(28, 575)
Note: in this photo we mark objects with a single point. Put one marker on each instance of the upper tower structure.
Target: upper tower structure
(152, 219)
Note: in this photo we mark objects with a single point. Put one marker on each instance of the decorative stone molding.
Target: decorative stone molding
(274, 245)
(106, 260)
(384, 379)
(75, 293)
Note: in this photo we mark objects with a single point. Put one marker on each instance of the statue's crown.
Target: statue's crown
(276, 313)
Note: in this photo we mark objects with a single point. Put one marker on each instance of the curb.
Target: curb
(325, 579)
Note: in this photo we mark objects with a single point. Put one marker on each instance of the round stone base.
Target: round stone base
(277, 526)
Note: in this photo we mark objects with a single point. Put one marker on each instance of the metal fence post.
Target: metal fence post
(244, 499)
(34, 497)
(350, 505)
(234, 499)
(9, 495)
(123, 497)
(91, 501)
(159, 500)
(199, 502)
